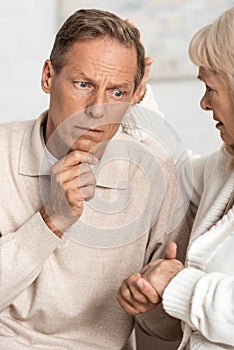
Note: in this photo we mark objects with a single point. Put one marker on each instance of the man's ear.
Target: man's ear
(133, 99)
(47, 76)
(130, 105)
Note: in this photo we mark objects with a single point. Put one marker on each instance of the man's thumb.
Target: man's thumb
(170, 250)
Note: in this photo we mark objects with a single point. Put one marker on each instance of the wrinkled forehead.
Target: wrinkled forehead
(102, 58)
(216, 79)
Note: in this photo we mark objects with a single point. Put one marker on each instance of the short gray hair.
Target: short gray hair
(90, 24)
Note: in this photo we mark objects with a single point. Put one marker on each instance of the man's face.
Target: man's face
(90, 95)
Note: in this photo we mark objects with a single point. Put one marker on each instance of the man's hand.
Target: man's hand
(140, 92)
(159, 272)
(72, 182)
(143, 291)
(136, 295)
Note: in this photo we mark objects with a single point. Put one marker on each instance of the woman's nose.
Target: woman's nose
(204, 103)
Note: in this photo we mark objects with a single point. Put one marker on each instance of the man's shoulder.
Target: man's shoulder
(12, 135)
(144, 157)
(134, 149)
(148, 150)
(130, 142)
(7, 130)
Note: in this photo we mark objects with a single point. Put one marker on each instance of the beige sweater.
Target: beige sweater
(60, 294)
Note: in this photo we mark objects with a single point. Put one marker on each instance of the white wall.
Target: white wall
(179, 100)
(26, 33)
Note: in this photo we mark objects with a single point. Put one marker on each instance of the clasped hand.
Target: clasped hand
(143, 291)
(72, 183)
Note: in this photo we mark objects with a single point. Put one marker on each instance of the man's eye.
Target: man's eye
(118, 93)
(82, 84)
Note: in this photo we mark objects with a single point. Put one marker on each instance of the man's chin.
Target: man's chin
(96, 149)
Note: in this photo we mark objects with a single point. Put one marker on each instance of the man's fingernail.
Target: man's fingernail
(140, 283)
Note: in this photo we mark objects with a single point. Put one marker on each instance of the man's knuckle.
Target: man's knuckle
(141, 309)
(141, 298)
(131, 278)
(126, 293)
(88, 192)
(76, 154)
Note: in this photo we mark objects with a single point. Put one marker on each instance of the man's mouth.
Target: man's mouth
(88, 129)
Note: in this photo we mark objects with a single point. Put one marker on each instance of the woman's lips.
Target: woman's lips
(219, 125)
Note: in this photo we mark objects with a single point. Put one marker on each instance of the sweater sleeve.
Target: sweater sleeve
(149, 101)
(143, 116)
(204, 301)
(157, 322)
(22, 255)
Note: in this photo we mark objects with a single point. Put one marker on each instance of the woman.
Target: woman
(201, 293)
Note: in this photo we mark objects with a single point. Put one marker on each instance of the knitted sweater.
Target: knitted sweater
(202, 294)
(60, 294)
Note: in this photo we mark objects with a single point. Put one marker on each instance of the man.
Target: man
(83, 204)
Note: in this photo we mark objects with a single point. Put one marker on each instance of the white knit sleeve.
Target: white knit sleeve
(204, 301)
(149, 101)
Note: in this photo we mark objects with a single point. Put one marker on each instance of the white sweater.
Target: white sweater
(202, 295)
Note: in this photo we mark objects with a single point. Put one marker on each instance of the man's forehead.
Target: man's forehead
(95, 60)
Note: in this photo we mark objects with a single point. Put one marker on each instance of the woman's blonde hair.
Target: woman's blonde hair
(212, 47)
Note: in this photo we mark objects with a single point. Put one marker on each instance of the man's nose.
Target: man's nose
(96, 106)
(96, 111)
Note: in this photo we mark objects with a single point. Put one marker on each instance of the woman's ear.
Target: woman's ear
(47, 76)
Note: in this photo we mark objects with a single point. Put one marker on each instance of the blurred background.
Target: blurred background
(28, 28)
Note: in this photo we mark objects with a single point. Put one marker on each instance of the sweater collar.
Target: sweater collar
(32, 160)
(216, 208)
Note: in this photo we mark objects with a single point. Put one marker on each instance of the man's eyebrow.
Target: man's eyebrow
(116, 85)
(113, 85)
(81, 75)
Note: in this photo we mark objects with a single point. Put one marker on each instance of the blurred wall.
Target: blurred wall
(166, 25)
(27, 29)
